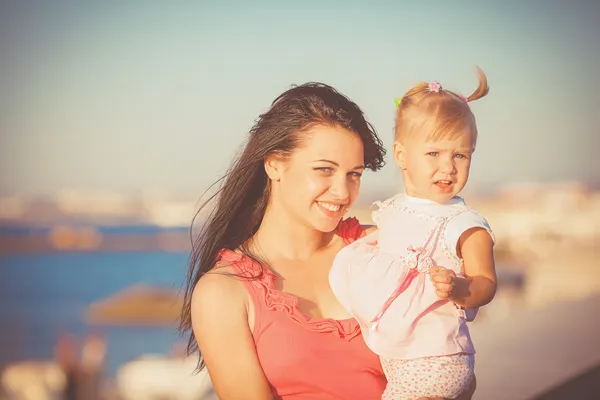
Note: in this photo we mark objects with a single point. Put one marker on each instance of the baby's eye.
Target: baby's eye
(461, 156)
(433, 153)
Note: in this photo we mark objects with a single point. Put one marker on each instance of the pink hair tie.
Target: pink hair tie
(435, 86)
(463, 98)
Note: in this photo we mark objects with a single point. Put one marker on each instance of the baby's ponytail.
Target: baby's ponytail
(482, 89)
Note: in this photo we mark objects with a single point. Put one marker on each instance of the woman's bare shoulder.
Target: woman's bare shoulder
(219, 288)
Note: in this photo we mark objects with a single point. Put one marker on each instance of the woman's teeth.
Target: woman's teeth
(330, 207)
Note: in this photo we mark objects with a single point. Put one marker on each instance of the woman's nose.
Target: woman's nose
(339, 188)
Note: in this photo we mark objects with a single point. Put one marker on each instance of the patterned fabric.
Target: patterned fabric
(446, 377)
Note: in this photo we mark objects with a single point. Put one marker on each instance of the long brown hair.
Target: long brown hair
(240, 203)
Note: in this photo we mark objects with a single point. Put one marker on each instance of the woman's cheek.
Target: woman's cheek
(355, 191)
(317, 185)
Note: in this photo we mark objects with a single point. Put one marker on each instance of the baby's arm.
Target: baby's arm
(478, 287)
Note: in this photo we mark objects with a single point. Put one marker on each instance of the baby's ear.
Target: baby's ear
(399, 154)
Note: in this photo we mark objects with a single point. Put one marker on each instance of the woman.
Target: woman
(258, 300)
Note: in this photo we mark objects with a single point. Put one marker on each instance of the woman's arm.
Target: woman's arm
(369, 228)
(221, 327)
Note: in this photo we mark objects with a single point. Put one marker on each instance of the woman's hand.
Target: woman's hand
(468, 395)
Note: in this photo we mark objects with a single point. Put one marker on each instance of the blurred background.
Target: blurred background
(115, 116)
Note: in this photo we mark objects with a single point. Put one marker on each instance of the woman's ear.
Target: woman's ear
(399, 154)
(274, 165)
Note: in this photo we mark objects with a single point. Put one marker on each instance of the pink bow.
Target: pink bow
(435, 86)
(417, 259)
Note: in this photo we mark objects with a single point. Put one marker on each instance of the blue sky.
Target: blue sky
(144, 95)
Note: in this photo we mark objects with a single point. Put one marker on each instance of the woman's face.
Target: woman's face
(319, 181)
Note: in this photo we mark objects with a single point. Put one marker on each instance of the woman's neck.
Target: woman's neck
(281, 236)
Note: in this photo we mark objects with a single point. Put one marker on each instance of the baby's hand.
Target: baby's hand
(443, 280)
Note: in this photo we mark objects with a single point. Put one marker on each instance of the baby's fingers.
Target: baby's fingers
(442, 278)
(435, 269)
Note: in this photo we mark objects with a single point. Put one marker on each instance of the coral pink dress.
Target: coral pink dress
(308, 358)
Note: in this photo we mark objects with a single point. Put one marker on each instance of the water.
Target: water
(43, 295)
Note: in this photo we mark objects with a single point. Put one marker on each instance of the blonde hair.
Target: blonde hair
(440, 115)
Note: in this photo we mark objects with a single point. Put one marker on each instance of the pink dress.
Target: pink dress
(308, 358)
(383, 281)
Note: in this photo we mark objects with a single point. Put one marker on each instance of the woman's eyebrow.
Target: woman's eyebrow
(337, 165)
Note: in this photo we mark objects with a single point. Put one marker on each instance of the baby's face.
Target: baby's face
(435, 170)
